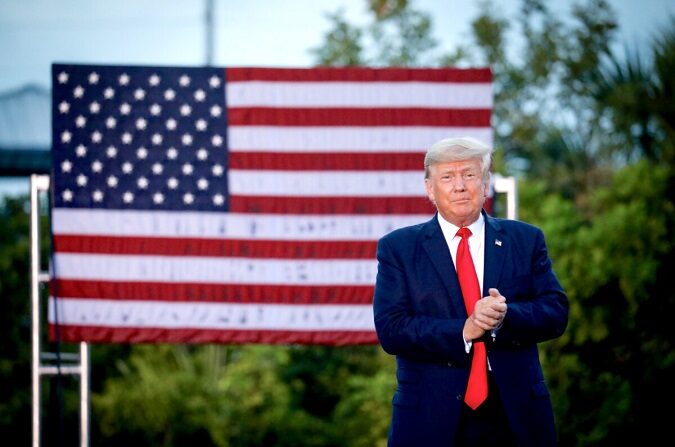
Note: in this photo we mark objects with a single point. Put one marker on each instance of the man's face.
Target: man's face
(458, 190)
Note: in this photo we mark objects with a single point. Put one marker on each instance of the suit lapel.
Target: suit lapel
(496, 247)
(437, 249)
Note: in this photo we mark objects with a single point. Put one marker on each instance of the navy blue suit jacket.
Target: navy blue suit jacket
(419, 317)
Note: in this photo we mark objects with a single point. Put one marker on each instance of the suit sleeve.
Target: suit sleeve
(542, 313)
(400, 330)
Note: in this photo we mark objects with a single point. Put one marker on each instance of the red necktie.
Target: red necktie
(477, 388)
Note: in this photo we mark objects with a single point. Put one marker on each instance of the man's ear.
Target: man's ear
(430, 190)
(486, 185)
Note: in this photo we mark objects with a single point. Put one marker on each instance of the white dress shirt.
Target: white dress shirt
(476, 244)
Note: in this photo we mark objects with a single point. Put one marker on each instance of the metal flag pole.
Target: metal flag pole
(208, 28)
(78, 364)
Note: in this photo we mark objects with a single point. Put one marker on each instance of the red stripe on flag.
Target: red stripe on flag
(223, 293)
(267, 116)
(344, 161)
(245, 248)
(102, 334)
(356, 74)
(331, 205)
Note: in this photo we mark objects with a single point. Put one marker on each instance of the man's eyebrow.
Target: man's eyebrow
(459, 169)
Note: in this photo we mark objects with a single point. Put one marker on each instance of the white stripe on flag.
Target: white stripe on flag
(71, 221)
(215, 270)
(225, 316)
(430, 95)
(327, 183)
(345, 139)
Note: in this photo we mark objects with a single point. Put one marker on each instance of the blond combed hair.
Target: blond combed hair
(450, 150)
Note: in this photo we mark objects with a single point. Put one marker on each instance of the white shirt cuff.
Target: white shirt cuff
(467, 344)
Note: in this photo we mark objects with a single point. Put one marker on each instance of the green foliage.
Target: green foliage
(636, 96)
(402, 38)
(15, 318)
(399, 36)
(342, 46)
(171, 394)
(664, 95)
(543, 114)
(370, 399)
(247, 396)
(488, 32)
(613, 260)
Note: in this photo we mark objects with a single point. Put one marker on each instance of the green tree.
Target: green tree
(635, 96)
(343, 47)
(246, 396)
(399, 35)
(544, 121)
(15, 319)
(210, 395)
(617, 351)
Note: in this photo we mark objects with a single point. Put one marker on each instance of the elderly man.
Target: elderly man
(462, 301)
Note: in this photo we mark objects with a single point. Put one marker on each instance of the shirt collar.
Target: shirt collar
(451, 229)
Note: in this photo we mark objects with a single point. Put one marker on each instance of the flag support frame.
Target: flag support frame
(507, 185)
(77, 364)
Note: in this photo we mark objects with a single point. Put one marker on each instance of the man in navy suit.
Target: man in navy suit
(421, 316)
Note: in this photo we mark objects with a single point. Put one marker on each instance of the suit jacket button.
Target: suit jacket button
(450, 364)
(459, 397)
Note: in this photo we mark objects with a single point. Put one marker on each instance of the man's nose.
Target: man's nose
(458, 183)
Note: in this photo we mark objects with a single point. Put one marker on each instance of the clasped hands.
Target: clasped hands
(488, 313)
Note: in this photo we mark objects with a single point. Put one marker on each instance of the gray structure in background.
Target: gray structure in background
(25, 131)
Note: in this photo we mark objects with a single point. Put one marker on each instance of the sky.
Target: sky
(35, 33)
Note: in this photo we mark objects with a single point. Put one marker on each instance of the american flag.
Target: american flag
(239, 205)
